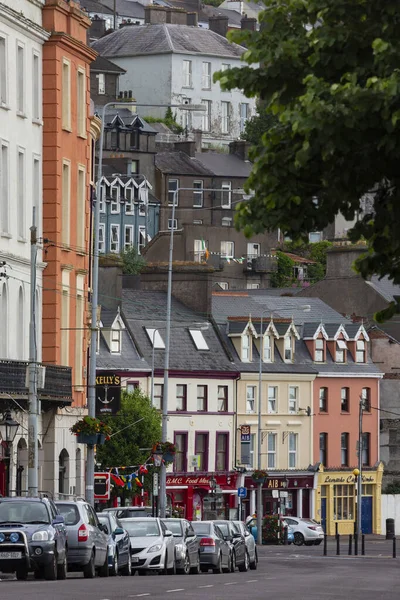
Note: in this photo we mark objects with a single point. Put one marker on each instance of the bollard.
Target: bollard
(394, 547)
(350, 544)
(285, 536)
(363, 545)
(325, 545)
(336, 529)
(338, 545)
(356, 544)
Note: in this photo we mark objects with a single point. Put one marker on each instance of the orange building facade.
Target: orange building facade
(67, 178)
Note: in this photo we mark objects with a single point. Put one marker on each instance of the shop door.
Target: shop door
(271, 506)
(366, 514)
(306, 504)
(323, 513)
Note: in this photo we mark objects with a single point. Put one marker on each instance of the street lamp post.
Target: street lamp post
(8, 431)
(259, 433)
(95, 281)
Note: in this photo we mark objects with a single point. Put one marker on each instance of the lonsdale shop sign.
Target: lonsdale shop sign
(108, 393)
(370, 478)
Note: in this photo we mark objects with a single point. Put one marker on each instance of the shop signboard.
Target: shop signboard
(102, 486)
(108, 393)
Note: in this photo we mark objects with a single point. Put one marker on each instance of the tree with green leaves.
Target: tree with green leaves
(328, 71)
(131, 441)
(132, 261)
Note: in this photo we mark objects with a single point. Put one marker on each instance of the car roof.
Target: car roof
(71, 502)
(25, 499)
(135, 519)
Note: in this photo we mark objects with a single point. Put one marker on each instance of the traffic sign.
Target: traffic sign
(242, 492)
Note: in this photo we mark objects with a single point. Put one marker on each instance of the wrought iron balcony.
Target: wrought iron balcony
(258, 264)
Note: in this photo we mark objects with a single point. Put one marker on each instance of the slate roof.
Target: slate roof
(385, 287)
(234, 18)
(148, 309)
(103, 65)
(129, 119)
(165, 38)
(179, 163)
(225, 165)
(125, 8)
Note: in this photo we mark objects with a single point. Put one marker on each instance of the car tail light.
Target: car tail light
(311, 527)
(83, 533)
(207, 542)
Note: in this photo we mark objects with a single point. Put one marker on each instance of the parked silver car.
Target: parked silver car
(87, 541)
(306, 531)
(119, 545)
(215, 551)
(187, 549)
(250, 544)
(152, 545)
(127, 512)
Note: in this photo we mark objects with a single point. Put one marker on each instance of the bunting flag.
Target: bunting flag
(143, 470)
(117, 480)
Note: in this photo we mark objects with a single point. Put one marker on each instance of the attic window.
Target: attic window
(116, 341)
(155, 338)
(341, 348)
(267, 350)
(319, 350)
(288, 348)
(360, 351)
(198, 339)
(246, 348)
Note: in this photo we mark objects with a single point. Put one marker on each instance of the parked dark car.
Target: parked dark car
(119, 546)
(187, 546)
(250, 544)
(239, 555)
(32, 538)
(87, 541)
(215, 551)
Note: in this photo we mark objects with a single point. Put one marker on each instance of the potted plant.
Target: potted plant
(259, 475)
(168, 450)
(91, 431)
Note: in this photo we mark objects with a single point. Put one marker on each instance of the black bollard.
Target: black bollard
(336, 529)
(363, 545)
(394, 547)
(356, 544)
(285, 536)
(350, 544)
(325, 545)
(338, 545)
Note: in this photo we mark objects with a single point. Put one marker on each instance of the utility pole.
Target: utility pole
(115, 14)
(33, 462)
(359, 475)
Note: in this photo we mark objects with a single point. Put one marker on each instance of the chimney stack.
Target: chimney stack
(240, 148)
(176, 16)
(218, 25)
(186, 146)
(249, 23)
(155, 15)
(192, 19)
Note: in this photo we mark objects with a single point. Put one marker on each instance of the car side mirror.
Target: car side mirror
(58, 520)
(247, 533)
(237, 536)
(168, 533)
(103, 528)
(119, 531)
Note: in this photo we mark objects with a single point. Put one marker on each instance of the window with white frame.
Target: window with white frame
(246, 347)
(199, 250)
(272, 399)
(341, 349)
(142, 238)
(271, 450)
(267, 346)
(293, 398)
(198, 339)
(114, 205)
(3, 71)
(226, 194)
(66, 203)
(21, 179)
(293, 443)
(227, 249)
(225, 66)
(319, 350)
(129, 198)
(253, 286)
(155, 338)
(225, 117)
(360, 351)
(198, 194)
(314, 237)
(206, 116)
(288, 348)
(114, 238)
(250, 399)
(224, 285)
(36, 87)
(244, 115)
(4, 187)
(66, 94)
(226, 222)
(81, 101)
(116, 341)
(103, 192)
(81, 208)
(101, 240)
(20, 68)
(101, 84)
(206, 75)
(128, 240)
(143, 193)
(173, 194)
(187, 73)
(366, 399)
(172, 225)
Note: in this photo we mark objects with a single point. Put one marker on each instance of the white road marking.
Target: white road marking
(138, 595)
(230, 583)
(251, 580)
(205, 586)
(177, 590)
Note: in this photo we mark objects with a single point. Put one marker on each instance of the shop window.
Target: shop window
(222, 398)
(180, 461)
(323, 400)
(343, 502)
(158, 396)
(201, 451)
(222, 452)
(345, 399)
(181, 397)
(366, 399)
(323, 448)
(344, 449)
(202, 393)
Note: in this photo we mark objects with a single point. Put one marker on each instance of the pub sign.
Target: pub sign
(108, 393)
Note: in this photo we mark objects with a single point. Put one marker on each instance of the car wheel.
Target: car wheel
(114, 568)
(104, 571)
(62, 568)
(50, 570)
(128, 569)
(197, 569)
(298, 539)
(89, 570)
(22, 574)
(218, 568)
(186, 567)
(245, 566)
(232, 564)
(253, 565)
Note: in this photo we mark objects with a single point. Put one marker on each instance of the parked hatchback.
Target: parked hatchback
(87, 541)
(215, 551)
(306, 531)
(239, 554)
(152, 545)
(187, 549)
(119, 547)
(129, 512)
(250, 544)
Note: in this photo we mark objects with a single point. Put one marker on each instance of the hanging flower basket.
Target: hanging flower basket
(168, 457)
(87, 438)
(91, 431)
(259, 476)
(168, 450)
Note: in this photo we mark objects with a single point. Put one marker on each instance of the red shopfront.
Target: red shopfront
(203, 497)
(284, 494)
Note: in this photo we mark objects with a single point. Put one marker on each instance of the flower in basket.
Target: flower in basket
(91, 426)
(168, 448)
(259, 474)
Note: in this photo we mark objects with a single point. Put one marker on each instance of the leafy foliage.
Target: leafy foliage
(132, 261)
(272, 530)
(257, 126)
(392, 488)
(328, 71)
(169, 120)
(283, 276)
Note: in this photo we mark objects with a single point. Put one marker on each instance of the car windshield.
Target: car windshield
(201, 528)
(69, 512)
(175, 527)
(139, 528)
(223, 527)
(24, 512)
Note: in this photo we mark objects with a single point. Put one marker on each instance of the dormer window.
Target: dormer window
(341, 348)
(288, 348)
(360, 351)
(116, 341)
(319, 350)
(114, 206)
(129, 197)
(267, 349)
(246, 347)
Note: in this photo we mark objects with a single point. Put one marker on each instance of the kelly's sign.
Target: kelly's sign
(108, 393)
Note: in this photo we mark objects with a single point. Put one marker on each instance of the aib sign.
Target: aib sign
(108, 393)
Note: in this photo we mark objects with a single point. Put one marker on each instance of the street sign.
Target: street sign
(275, 493)
(284, 494)
(102, 486)
(245, 433)
(242, 492)
(155, 484)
